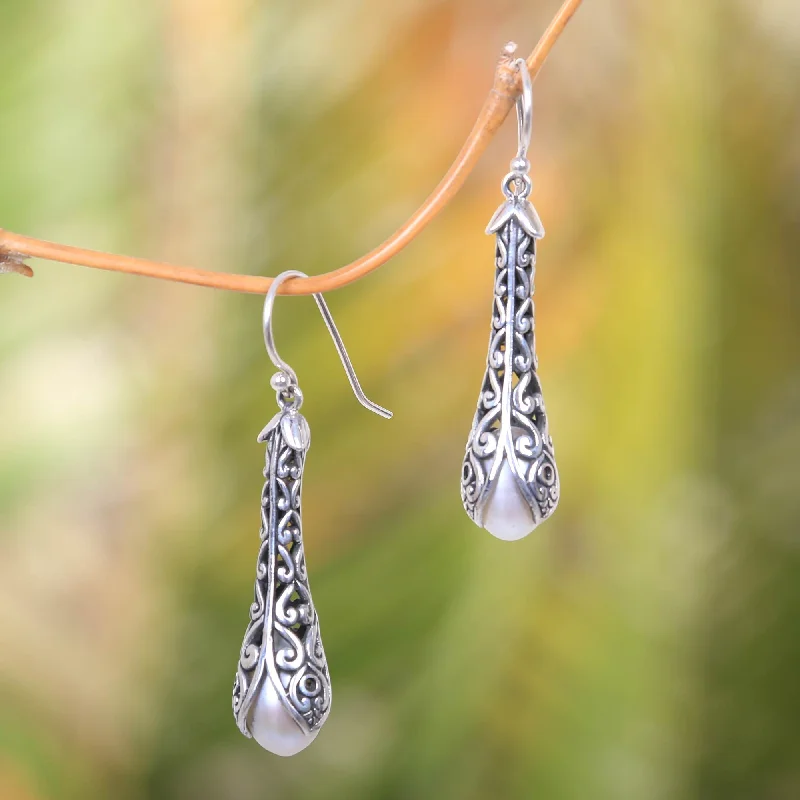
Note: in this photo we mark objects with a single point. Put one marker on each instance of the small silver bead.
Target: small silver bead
(280, 382)
(520, 165)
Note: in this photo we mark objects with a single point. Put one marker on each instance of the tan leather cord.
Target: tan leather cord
(14, 248)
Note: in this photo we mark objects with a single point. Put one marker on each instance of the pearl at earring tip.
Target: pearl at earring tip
(272, 726)
(506, 513)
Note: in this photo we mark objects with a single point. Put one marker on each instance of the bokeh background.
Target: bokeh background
(643, 643)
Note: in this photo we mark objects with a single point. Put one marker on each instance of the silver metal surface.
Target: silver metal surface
(510, 425)
(269, 341)
(524, 110)
(282, 642)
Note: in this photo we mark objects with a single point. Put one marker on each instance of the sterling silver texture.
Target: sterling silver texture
(510, 425)
(282, 641)
(282, 650)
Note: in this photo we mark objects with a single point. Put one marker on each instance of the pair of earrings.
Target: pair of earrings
(509, 482)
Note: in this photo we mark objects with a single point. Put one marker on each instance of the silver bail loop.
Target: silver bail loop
(289, 388)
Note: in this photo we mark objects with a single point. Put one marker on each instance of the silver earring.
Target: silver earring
(509, 481)
(282, 690)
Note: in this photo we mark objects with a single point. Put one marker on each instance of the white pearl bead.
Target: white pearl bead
(272, 726)
(506, 513)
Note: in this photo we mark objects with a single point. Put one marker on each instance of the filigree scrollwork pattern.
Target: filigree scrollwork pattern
(282, 641)
(510, 424)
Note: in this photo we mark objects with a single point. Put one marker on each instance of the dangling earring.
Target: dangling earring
(509, 481)
(282, 691)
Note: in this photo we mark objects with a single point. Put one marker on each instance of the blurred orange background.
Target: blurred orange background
(644, 642)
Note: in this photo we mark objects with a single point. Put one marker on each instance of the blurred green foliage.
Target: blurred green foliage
(644, 643)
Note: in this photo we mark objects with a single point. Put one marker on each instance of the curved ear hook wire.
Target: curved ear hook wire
(517, 184)
(269, 341)
(524, 109)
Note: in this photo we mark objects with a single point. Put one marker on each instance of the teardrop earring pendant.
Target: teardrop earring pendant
(282, 690)
(509, 481)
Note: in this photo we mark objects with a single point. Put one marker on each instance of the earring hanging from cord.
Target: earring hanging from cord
(282, 690)
(509, 480)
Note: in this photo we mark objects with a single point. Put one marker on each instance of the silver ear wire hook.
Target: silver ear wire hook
(524, 110)
(291, 388)
(517, 184)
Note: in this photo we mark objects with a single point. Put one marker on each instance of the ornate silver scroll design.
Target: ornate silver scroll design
(510, 423)
(282, 642)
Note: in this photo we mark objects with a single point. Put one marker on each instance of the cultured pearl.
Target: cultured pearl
(506, 514)
(272, 726)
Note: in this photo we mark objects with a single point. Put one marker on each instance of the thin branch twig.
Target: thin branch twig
(14, 247)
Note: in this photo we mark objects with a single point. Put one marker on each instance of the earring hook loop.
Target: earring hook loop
(524, 109)
(269, 341)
